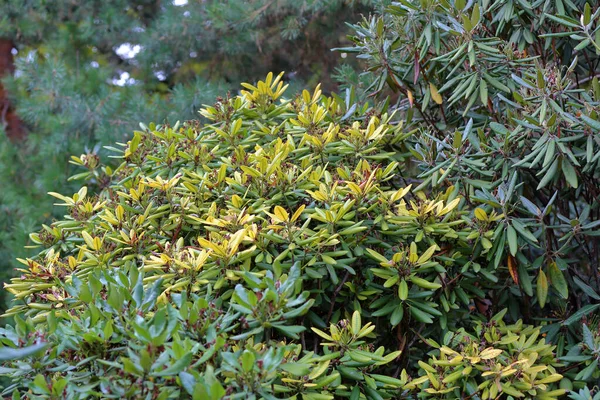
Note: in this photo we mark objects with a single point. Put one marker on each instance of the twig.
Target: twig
(335, 293)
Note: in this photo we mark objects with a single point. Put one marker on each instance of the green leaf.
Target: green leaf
(421, 316)
(297, 369)
(177, 367)
(592, 123)
(511, 236)
(587, 372)
(356, 323)
(397, 315)
(188, 382)
(476, 15)
(525, 280)
(41, 384)
(10, 354)
(248, 360)
(561, 19)
(549, 176)
(403, 290)
(542, 288)
(588, 337)
(583, 311)
(586, 288)
(425, 284)
(131, 368)
(558, 280)
(569, 173)
(587, 14)
(483, 92)
(523, 231)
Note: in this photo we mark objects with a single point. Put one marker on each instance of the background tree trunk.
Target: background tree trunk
(9, 119)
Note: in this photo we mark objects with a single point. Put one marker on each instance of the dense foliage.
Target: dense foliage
(87, 72)
(441, 244)
(504, 100)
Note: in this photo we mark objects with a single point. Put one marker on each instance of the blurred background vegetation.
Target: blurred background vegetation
(77, 75)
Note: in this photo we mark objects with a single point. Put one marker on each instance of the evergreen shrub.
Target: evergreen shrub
(278, 251)
(442, 243)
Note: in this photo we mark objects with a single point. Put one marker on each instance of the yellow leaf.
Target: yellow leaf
(281, 214)
(208, 245)
(413, 256)
(88, 239)
(356, 323)
(319, 370)
(322, 334)
(411, 99)
(427, 255)
(449, 207)
(490, 353)
(298, 213)
(435, 95)
(480, 214)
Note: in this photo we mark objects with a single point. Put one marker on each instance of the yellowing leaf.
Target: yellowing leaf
(427, 255)
(435, 95)
(542, 288)
(411, 99)
(512, 269)
(480, 214)
(322, 334)
(356, 323)
(449, 207)
(377, 256)
(490, 353)
(280, 214)
(88, 239)
(298, 213)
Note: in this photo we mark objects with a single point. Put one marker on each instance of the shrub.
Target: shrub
(503, 102)
(276, 252)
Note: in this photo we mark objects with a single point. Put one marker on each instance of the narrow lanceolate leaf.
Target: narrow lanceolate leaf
(10, 354)
(525, 280)
(512, 269)
(588, 337)
(523, 231)
(435, 95)
(542, 288)
(480, 214)
(511, 236)
(549, 176)
(356, 323)
(558, 280)
(425, 283)
(586, 288)
(476, 15)
(421, 316)
(569, 173)
(483, 92)
(592, 123)
(583, 311)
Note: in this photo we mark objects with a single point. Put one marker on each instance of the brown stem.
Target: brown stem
(337, 291)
